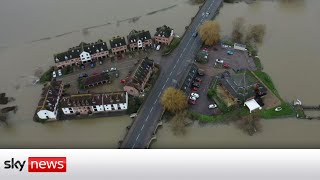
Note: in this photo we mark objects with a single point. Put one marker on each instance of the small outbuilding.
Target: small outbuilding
(252, 105)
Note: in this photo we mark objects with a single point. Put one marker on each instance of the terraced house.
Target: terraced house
(118, 45)
(83, 53)
(48, 105)
(86, 104)
(163, 35)
(136, 82)
(139, 40)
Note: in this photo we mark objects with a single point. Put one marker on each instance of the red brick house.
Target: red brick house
(164, 35)
(118, 45)
(139, 40)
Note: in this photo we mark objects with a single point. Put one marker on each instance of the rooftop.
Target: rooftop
(140, 73)
(163, 31)
(117, 42)
(96, 79)
(49, 95)
(134, 36)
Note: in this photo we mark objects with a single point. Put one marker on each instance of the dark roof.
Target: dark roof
(163, 31)
(96, 79)
(80, 100)
(241, 85)
(75, 52)
(140, 73)
(134, 36)
(117, 42)
(49, 95)
(192, 73)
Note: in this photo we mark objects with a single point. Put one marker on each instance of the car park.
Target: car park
(54, 75)
(59, 72)
(220, 61)
(195, 95)
(212, 106)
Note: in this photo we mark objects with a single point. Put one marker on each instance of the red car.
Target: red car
(206, 49)
(226, 65)
(95, 73)
(192, 102)
(122, 81)
(194, 89)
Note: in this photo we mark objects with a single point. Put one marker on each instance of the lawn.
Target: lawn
(266, 79)
(258, 64)
(174, 43)
(287, 111)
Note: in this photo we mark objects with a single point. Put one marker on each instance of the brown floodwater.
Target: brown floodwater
(290, 55)
(33, 30)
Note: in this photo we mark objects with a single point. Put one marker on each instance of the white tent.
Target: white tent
(252, 105)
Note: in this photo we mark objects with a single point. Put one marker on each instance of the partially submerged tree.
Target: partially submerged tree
(255, 33)
(238, 29)
(179, 123)
(209, 32)
(174, 100)
(251, 123)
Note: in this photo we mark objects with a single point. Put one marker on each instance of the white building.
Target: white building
(240, 47)
(85, 57)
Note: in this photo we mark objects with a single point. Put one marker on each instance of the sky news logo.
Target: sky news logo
(38, 164)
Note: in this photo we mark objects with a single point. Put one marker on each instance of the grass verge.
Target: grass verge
(168, 49)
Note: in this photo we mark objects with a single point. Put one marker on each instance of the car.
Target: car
(92, 64)
(192, 102)
(105, 71)
(207, 13)
(158, 47)
(220, 61)
(54, 75)
(95, 73)
(195, 34)
(113, 69)
(201, 72)
(205, 49)
(197, 79)
(117, 74)
(82, 66)
(212, 106)
(100, 62)
(230, 52)
(196, 85)
(226, 65)
(122, 81)
(59, 72)
(192, 98)
(194, 89)
(82, 75)
(195, 95)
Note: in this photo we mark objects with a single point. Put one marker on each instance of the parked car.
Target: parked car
(92, 64)
(192, 102)
(198, 79)
(195, 95)
(59, 72)
(122, 81)
(54, 75)
(158, 47)
(100, 62)
(192, 98)
(83, 75)
(220, 61)
(105, 71)
(201, 72)
(207, 13)
(230, 52)
(226, 65)
(205, 49)
(212, 106)
(194, 89)
(195, 34)
(196, 85)
(113, 69)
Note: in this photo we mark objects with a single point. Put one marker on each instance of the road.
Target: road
(172, 70)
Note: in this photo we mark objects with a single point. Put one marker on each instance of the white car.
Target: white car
(54, 75)
(158, 47)
(59, 72)
(212, 106)
(195, 95)
(207, 13)
(220, 61)
(193, 98)
(113, 69)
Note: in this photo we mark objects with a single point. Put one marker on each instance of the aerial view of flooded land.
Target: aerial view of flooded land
(144, 74)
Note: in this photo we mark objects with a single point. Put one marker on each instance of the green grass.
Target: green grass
(174, 43)
(258, 64)
(287, 111)
(46, 76)
(213, 95)
(266, 79)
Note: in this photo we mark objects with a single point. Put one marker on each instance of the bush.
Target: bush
(258, 64)
(134, 104)
(47, 76)
(168, 49)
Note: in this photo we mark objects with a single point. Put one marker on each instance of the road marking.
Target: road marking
(156, 101)
(147, 118)
(167, 80)
(174, 66)
(142, 127)
(151, 109)
(159, 94)
(137, 137)
(134, 145)
(162, 88)
(170, 73)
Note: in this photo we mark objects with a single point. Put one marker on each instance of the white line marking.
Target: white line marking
(174, 66)
(162, 88)
(155, 101)
(137, 137)
(151, 109)
(170, 73)
(167, 80)
(147, 118)
(134, 145)
(159, 94)
(142, 127)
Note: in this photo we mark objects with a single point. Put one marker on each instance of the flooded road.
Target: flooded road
(33, 30)
(290, 55)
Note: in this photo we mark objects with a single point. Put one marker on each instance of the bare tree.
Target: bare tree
(238, 29)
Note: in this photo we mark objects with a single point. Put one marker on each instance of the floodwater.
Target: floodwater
(290, 55)
(33, 30)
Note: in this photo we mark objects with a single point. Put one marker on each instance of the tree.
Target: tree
(174, 100)
(238, 29)
(179, 123)
(251, 124)
(255, 33)
(210, 32)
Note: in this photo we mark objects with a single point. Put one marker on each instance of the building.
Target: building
(163, 35)
(118, 45)
(48, 105)
(94, 80)
(139, 40)
(240, 47)
(86, 104)
(83, 53)
(241, 87)
(192, 71)
(136, 82)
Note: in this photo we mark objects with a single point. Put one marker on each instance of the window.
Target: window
(70, 109)
(71, 112)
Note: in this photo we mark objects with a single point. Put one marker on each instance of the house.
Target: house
(192, 71)
(48, 105)
(136, 82)
(139, 40)
(118, 45)
(86, 104)
(95, 80)
(241, 87)
(163, 35)
(83, 53)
